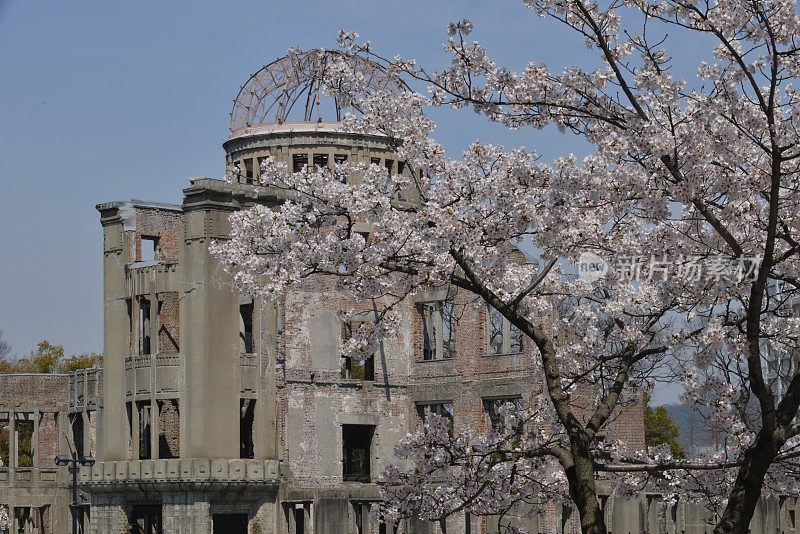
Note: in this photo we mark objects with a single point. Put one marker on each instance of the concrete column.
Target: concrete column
(116, 255)
(12, 440)
(209, 333)
(265, 431)
(35, 439)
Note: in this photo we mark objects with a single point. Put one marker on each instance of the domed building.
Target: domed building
(217, 413)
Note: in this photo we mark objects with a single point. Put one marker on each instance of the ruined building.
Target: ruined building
(215, 413)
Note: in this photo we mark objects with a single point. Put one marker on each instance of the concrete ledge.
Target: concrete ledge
(184, 470)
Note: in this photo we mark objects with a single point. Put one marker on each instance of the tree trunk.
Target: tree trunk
(582, 488)
(746, 490)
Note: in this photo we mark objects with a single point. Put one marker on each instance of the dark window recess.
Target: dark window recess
(442, 409)
(401, 167)
(504, 338)
(320, 160)
(146, 520)
(144, 409)
(5, 440)
(148, 249)
(299, 519)
(248, 171)
(230, 523)
(129, 306)
(144, 326)
(492, 409)
(24, 437)
(389, 164)
(299, 161)
(76, 422)
(339, 158)
(247, 414)
(356, 447)
(246, 328)
(437, 329)
(353, 368)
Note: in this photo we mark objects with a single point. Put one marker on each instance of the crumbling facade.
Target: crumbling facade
(217, 413)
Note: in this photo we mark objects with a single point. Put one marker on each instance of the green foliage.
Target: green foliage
(80, 361)
(659, 429)
(48, 358)
(24, 443)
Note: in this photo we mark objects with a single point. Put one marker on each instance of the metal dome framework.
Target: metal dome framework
(295, 82)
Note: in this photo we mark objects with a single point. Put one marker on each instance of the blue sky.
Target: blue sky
(106, 100)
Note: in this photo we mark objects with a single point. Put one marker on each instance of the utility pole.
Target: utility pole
(73, 463)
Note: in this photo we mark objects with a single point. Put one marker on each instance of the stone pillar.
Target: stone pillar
(265, 431)
(209, 336)
(116, 218)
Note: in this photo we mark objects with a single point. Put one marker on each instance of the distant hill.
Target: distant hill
(694, 435)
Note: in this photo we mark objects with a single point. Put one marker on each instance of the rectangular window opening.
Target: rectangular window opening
(144, 326)
(299, 511)
(442, 409)
(144, 411)
(339, 158)
(492, 407)
(504, 338)
(169, 424)
(248, 171)
(389, 164)
(146, 519)
(169, 323)
(148, 248)
(5, 440)
(76, 422)
(437, 329)
(320, 160)
(356, 452)
(299, 161)
(353, 368)
(401, 167)
(247, 417)
(246, 328)
(229, 523)
(23, 428)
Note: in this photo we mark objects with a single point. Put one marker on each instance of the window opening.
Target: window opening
(320, 160)
(144, 325)
(356, 449)
(247, 412)
(148, 249)
(246, 328)
(504, 338)
(352, 368)
(169, 424)
(299, 161)
(442, 409)
(144, 410)
(437, 329)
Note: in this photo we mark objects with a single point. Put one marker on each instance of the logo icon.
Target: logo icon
(591, 267)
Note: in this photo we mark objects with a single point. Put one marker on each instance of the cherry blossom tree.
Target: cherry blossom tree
(686, 215)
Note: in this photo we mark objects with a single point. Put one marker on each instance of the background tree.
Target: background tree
(660, 429)
(49, 358)
(685, 177)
